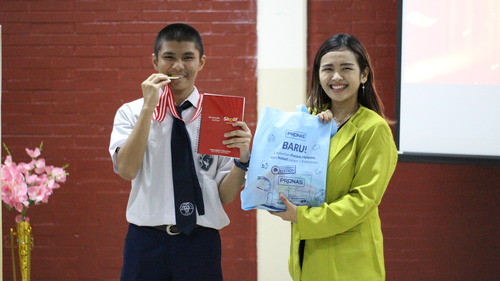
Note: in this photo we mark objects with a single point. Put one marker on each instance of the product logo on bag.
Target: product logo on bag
(283, 170)
(291, 181)
(296, 135)
(295, 147)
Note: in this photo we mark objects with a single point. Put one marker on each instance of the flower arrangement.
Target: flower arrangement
(27, 184)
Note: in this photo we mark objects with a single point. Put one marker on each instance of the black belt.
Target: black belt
(170, 229)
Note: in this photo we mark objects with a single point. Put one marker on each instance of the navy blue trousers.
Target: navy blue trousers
(153, 255)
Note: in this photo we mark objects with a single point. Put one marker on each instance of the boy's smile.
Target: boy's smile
(181, 60)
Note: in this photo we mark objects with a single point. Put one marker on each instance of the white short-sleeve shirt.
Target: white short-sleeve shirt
(151, 200)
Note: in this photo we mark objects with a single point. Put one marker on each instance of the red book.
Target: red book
(217, 115)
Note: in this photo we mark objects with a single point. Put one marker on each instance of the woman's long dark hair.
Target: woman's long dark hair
(317, 98)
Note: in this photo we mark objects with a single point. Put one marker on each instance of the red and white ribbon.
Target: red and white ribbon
(166, 102)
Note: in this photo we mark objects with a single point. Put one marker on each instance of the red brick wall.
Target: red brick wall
(440, 222)
(67, 67)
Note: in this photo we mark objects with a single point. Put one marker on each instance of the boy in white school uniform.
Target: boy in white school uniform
(157, 246)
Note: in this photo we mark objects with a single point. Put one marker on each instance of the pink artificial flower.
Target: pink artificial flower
(39, 165)
(51, 183)
(14, 188)
(19, 218)
(9, 172)
(39, 193)
(26, 184)
(33, 153)
(26, 168)
(8, 161)
(32, 179)
(59, 174)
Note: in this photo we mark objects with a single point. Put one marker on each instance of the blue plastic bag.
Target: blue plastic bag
(289, 156)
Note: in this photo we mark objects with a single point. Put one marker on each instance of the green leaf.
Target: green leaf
(6, 149)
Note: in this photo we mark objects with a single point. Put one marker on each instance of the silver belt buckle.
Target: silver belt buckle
(168, 229)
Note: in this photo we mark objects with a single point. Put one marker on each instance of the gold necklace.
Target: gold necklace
(343, 120)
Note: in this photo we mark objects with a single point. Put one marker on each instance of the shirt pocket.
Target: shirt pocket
(158, 136)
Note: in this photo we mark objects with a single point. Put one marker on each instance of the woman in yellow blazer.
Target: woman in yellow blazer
(342, 238)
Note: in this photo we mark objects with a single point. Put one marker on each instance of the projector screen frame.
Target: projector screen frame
(420, 157)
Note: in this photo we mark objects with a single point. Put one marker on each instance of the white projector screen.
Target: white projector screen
(449, 80)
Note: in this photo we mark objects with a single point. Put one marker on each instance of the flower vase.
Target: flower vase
(24, 245)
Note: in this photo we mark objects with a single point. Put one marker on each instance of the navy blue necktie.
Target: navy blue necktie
(187, 190)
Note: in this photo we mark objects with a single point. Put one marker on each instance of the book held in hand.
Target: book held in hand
(218, 114)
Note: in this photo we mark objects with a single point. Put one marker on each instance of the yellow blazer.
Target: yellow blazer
(343, 236)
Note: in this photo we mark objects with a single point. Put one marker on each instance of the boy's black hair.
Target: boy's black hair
(178, 32)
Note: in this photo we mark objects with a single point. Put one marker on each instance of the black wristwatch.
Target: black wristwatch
(239, 164)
